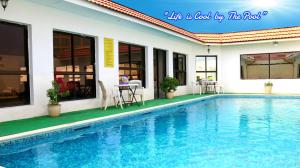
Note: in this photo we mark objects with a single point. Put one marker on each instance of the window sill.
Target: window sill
(74, 100)
(16, 106)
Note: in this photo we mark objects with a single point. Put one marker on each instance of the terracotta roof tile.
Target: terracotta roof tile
(133, 13)
(257, 35)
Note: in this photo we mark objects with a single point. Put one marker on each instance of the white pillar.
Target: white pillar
(99, 54)
(170, 63)
(149, 72)
(190, 69)
(41, 65)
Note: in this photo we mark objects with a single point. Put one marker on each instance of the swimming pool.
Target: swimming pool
(226, 131)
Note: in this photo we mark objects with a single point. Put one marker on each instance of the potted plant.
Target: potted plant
(55, 94)
(268, 87)
(169, 86)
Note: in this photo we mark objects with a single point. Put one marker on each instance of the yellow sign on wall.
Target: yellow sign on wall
(108, 52)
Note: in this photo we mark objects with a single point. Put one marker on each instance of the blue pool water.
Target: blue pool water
(221, 132)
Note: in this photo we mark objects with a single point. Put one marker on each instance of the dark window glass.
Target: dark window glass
(206, 67)
(74, 60)
(242, 72)
(282, 65)
(298, 75)
(14, 76)
(179, 68)
(132, 62)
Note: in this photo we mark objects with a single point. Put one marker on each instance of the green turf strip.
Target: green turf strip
(19, 126)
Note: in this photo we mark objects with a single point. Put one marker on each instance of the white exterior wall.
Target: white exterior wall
(229, 69)
(42, 19)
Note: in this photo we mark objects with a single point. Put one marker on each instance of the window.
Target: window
(282, 65)
(298, 75)
(206, 67)
(14, 73)
(74, 60)
(132, 62)
(179, 68)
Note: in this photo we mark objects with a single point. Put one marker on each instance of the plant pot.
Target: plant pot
(170, 95)
(54, 110)
(268, 89)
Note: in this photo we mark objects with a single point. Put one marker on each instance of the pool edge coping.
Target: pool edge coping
(124, 114)
(88, 121)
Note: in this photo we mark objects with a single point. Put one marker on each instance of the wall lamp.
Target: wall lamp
(208, 49)
(4, 3)
(275, 43)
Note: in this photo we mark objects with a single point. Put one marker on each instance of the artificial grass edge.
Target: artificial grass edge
(35, 123)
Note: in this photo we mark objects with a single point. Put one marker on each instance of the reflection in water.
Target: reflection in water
(260, 113)
(41, 161)
(268, 114)
(151, 148)
(204, 134)
(79, 148)
(180, 123)
(211, 116)
(244, 127)
(162, 125)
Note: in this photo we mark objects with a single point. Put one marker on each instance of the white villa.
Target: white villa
(83, 41)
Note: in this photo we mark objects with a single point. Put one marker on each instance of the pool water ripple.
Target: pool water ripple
(221, 132)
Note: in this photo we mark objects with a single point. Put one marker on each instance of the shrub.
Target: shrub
(169, 84)
(269, 84)
(55, 94)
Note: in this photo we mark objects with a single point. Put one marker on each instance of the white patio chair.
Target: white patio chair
(115, 95)
(195, 86)
(139, 90)
(219, 88)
